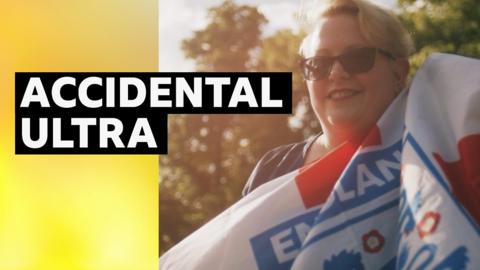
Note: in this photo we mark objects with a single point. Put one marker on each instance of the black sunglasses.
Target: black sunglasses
(354, 61)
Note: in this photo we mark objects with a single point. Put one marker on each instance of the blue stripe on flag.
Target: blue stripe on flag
(423, 156)
(349, 181)
(437, 176)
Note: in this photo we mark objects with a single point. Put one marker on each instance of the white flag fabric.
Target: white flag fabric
(399, 201)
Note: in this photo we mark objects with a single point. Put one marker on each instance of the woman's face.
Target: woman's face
(343, 102)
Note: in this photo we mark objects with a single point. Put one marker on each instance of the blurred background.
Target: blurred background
(211, 156)
(72, 212)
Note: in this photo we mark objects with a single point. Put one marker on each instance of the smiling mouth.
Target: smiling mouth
(342, 94)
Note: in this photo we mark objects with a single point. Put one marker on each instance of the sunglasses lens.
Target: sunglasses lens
(358, 60)
(354, 61)
(317, 68)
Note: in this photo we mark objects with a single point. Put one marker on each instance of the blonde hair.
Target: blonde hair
(379, 26)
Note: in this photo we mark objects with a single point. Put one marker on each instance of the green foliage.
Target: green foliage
(451, 26)
(227, 41)
(211, 156)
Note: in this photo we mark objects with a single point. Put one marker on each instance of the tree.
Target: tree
(211, 156)
(204, 172)
(451, 26)
(228, 40)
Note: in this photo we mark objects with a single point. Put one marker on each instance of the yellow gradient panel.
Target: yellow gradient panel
(71, 212)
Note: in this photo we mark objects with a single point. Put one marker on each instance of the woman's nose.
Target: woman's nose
(337, 71)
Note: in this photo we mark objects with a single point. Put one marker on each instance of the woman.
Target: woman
(355, 64)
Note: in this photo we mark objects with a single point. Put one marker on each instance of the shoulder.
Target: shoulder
(275, 163)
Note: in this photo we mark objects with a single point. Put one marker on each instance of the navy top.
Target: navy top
(277, 162)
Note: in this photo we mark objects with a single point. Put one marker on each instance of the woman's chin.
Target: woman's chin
(350, 126)
(344, 118)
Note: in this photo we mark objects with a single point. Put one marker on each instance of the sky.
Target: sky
(178, 19)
